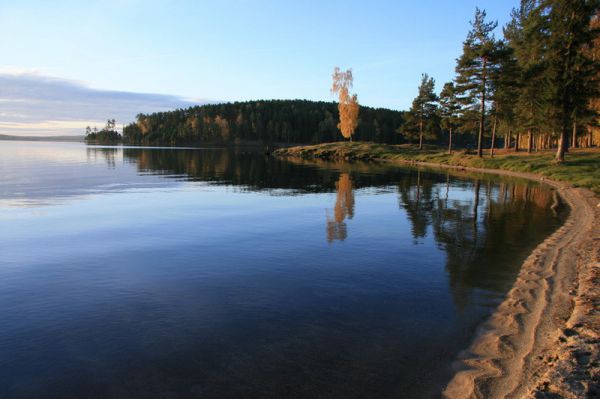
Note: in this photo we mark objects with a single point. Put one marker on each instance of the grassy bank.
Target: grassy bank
(581, 167)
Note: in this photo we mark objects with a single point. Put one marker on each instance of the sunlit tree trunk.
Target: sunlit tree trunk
(493, 137)
(421, 131)
(529, 141)
(450, 142)
(563, 144)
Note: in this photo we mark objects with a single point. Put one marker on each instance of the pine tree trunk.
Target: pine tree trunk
(450, 142)
(529, 141)
(507, 140)
(574, 134)
(421, 133)
(493, 137)
(517, 139)
(482, 116)
(563, 143)
(590, 137)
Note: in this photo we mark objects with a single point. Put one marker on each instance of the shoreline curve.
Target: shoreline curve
(542, 340)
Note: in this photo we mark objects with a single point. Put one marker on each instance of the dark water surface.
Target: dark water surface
(172, 273)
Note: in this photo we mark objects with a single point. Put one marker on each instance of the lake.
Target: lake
(225, 273)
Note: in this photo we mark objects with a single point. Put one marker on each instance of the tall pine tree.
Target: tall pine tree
(506, 91)
(449, 110)
(527, 36)
(571, 73)
(593, 52)
(422, 114)
(474, 67)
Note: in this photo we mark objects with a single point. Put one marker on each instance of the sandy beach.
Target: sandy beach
(542, 340)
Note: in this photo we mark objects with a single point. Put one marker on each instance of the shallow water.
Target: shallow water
(207, 273)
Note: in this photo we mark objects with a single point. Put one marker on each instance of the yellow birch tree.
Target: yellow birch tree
(348, 104)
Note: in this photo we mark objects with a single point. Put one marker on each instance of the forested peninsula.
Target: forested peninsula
(268, 121)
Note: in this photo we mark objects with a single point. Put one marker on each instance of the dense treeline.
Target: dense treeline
(537, 87)
(271, 121)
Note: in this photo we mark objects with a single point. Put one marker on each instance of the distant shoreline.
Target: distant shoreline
(6, 137)
(268, 147)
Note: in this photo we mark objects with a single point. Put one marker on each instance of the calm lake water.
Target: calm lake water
(178, 273)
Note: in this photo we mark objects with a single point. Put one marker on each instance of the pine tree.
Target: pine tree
(423, 110)
(593, 52)
(527, 36)
(506, 91)
(475, 65)
(449, 110)
(571, 72)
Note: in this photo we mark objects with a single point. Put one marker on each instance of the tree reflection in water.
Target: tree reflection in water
(108, 153)
(479, 221)
(344, 207)
(478, 249)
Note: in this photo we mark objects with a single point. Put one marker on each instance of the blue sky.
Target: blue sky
(198, 51)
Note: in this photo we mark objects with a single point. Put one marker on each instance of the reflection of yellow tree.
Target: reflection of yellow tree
(344, 207)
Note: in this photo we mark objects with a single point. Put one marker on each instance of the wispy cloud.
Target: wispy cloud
(34, 104)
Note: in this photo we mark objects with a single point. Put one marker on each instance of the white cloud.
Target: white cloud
(34, 104)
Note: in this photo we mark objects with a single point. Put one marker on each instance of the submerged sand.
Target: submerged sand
(543, 339)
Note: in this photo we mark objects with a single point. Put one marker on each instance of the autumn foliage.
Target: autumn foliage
(348, 104)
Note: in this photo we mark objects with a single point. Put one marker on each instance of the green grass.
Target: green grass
(581, 167)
